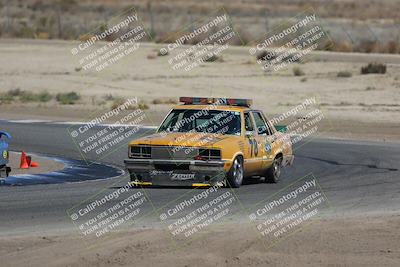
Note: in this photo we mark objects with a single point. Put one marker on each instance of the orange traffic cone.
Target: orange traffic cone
(34, 164)
(28, 160)
(24, 162)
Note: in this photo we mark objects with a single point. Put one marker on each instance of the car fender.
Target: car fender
(228, 162)
(239, 153)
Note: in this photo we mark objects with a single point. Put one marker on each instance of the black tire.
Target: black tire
(274, 172)
(235, 174)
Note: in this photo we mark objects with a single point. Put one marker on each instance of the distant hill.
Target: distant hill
(358, 25)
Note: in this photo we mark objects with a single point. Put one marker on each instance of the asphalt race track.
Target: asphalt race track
(74, 171)
(357, 178)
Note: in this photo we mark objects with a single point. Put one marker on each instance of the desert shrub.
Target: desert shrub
(43, 35)
(374, 68)
(28, 97)
(85, 37)
(393, 47)
(303, 80)
(108, 97)
(369, 47)
(67, 98)
(142, 105)
(14, 92)
(344, 74)
(171, 101)
(25, 31)
(25, 96)
(266, 55)
(297, 71)
(212, 58)
(344, 103)
(343, 47)
(158, 101)
(328, 45)
(43, 96)
(119, 101)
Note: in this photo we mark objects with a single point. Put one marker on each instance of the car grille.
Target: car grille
(163, 152)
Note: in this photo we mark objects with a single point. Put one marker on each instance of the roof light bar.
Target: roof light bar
(216, 101)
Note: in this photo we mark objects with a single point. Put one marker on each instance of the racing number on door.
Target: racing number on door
(253, 147)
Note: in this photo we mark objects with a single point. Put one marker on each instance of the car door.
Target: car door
(279, 140)
(251, 161)
(265, 139)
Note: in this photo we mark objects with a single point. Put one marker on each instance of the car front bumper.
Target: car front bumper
(175, 172)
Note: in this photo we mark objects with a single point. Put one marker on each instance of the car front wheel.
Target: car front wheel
(274, 172)
(235, 174)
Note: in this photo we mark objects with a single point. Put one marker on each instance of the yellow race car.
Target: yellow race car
(209, 141)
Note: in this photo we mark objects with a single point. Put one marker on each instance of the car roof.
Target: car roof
(213, 107)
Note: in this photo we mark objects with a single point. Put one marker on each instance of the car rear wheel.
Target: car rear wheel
(235, 174)
(274, 172)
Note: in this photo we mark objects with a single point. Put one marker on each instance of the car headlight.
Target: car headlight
(140, 152)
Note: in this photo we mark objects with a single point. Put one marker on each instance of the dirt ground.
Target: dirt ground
(359, 241)
(357, 107)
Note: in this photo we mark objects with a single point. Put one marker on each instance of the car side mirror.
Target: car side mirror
(248, 134)
(281, 128)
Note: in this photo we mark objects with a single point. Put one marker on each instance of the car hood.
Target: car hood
(186, 139)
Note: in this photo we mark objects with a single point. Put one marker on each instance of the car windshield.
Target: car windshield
(208, 121)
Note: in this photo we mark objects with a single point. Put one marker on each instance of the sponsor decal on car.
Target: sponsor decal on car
(174, 176)
(182, 176)
(268, 147)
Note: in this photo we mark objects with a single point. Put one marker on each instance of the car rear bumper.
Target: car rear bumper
(175, 172)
